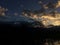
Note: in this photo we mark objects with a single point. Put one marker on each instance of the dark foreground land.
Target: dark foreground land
(23, 34)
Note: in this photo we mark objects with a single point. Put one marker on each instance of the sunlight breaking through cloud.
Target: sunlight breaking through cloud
(47, 19)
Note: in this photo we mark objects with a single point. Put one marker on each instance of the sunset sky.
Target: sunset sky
(18, 5)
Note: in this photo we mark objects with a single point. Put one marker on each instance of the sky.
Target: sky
(18, 5)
